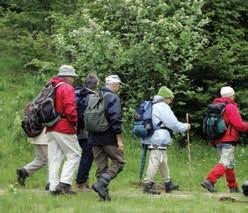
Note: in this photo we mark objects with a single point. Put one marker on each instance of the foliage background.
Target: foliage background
(192, 46)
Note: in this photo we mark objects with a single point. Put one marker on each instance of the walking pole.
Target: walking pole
(142, 162)
(189, 155)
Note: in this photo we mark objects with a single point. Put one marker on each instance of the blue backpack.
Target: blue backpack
(142, 125)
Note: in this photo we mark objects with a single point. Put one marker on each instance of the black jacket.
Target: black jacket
(82, 101)
(113, 114)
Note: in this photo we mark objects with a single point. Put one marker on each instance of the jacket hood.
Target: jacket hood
(84, 91)
(106, 89)
(57, 80)
(224, 100)
(157, 98)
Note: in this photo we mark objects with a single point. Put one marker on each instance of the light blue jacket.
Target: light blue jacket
(162, 113)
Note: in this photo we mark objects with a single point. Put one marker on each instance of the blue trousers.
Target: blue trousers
(85, 162)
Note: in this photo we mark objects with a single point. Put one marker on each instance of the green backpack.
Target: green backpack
(94, 116)
(214, 125)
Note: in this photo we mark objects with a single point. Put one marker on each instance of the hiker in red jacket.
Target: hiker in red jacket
(62, 139)
(226, 144)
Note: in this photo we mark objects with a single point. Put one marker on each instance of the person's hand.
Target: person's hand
(120, 146)
(189, 126)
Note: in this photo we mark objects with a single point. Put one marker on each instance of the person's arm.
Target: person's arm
(69, 105)
(114, 117)
(170, 120)
(113, 113)
(235, 118)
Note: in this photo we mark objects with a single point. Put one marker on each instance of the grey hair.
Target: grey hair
(91, 81)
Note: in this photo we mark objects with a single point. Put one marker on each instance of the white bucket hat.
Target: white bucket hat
(67, 70)
(227, 91)
(112, 79)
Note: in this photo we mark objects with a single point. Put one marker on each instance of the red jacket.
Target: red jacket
(65, 103)
(233, 120)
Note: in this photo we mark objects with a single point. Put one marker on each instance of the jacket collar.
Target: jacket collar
(106, 89)
(224, 100)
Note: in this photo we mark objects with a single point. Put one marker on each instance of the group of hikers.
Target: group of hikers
(75, 139)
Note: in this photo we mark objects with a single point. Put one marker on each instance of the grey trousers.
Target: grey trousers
(40, 159)
(102, 154)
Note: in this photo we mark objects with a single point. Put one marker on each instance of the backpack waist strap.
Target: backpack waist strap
(157, 147)
(158, 126)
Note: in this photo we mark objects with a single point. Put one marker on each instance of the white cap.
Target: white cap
(227, 92)
(112, 79)
(67, 70)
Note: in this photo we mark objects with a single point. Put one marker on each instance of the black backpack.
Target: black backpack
(81, 104)
(41, 112)
(214, 125)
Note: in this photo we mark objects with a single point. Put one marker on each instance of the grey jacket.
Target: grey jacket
(162, 112)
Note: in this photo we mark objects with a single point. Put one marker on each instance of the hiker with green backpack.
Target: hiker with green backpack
(224, 139)
(164, 122)
(102, 119)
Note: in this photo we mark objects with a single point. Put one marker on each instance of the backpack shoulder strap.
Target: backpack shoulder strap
(160, 122)
(104, 94)
(59, 84)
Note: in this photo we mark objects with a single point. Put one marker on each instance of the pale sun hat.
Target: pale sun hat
(67, 70)
(227, 91)
(112, 79)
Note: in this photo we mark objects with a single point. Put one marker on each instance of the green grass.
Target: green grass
(17, 88)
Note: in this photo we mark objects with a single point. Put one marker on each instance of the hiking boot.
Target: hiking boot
(101, 187)
(170, 186)
(208, 185)
(64, 188)
(84, 187)
(149, 188)
(245, 188)
(22, 174)
(55, 193)
(47, 186)
(234, 190)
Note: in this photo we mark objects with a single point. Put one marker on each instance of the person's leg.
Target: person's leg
(117, 160)
(164, 167)
(153, 166)
(85, 162)
(55, 157)
(39, 161)
(219, 169)
(231, 180)
(100, 159)
(71, 149)
(165, 173)
(228, 159)
(216, 172)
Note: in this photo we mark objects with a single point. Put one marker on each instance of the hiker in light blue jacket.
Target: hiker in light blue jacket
(164, 122)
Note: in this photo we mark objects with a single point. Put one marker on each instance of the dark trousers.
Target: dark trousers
(101, 156)
(85, 162)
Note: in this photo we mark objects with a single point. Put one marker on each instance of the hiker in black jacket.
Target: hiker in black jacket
(82, 93)
(108, 144)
